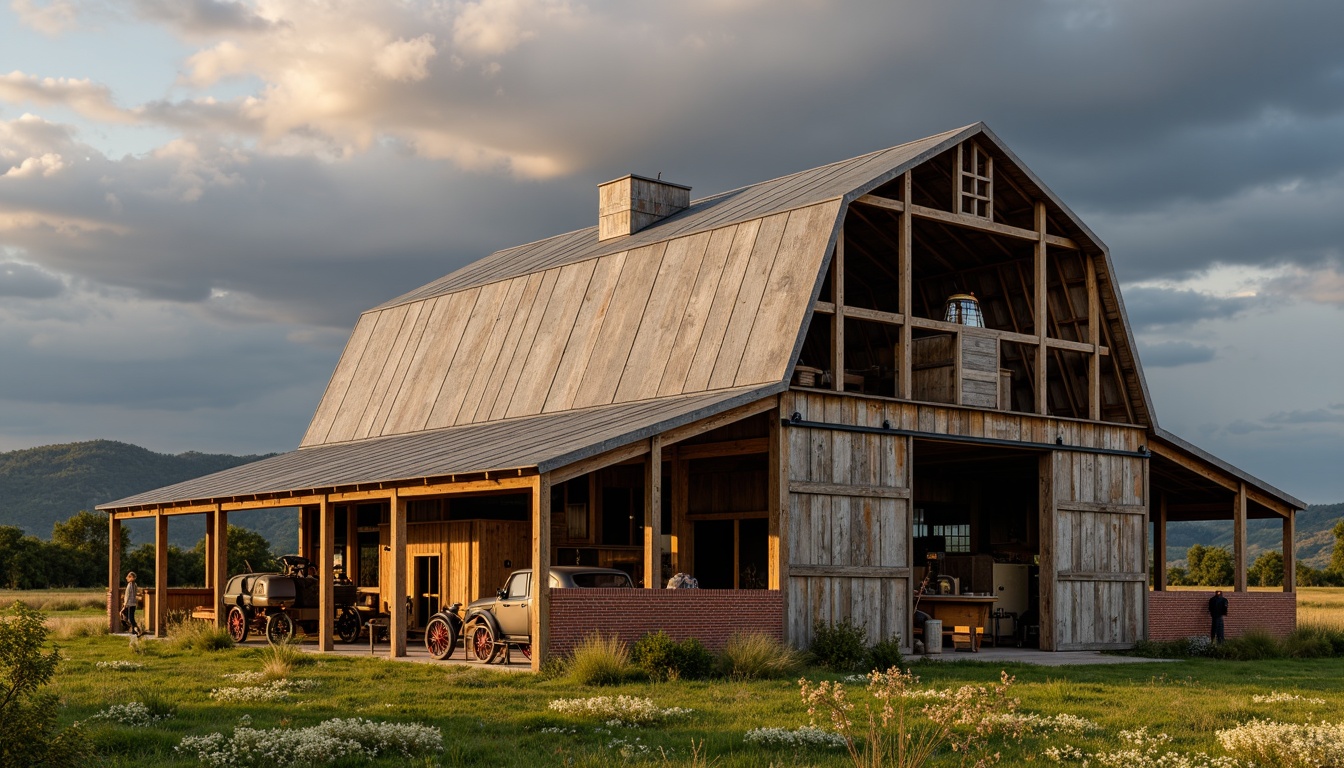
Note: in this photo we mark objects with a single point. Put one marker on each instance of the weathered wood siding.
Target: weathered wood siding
(471, 556)
(848, 520)
(711, 310)
(1093, 546)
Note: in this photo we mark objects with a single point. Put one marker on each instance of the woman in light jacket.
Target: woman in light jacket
(128, 605)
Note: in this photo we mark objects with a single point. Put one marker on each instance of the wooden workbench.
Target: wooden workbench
(958, 610)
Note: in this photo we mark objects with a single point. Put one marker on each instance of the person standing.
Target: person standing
(129, 603)
(1217, 610)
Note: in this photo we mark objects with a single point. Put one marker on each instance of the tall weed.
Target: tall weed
(196, 635)
(279, 660)
(751, 656)
(600, 660)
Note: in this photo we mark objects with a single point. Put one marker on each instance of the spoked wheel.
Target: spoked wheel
(482, 641)
(235, 622)
(347, 625)
(440, 638)
(279, 628)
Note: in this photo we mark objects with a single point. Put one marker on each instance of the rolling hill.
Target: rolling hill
(42, 486)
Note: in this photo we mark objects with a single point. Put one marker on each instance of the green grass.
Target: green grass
(492, 718)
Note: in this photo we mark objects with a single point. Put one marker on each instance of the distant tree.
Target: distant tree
(1267, 570)
(247, 548)
(1337, 557)
(1210, 566)
(1177, 576)
(85, 536)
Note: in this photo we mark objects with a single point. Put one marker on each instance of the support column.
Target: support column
(653, 514)
(1289, 555)
(1160, 544)
(1040, 319)
(1048, 552)
(396, 607)
(351, 543)
(114, 573)
(778, 501)
(1094, 337)
(209, 547)
(681, 528)
(541, 570)
(220, 555)
(326, 605)
(160, 574)
(1239, 537)
(303, 533)
(904, 253)
(838, 319)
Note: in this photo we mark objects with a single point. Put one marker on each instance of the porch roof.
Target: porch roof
(543, 443)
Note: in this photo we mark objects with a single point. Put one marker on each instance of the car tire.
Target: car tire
(279, 628)
(481, 641)
(347, 625)
(235, 622)
(440, 638)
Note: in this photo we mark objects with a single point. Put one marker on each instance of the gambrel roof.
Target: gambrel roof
(550, 352)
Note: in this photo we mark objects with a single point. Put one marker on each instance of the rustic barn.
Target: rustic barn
(901, 382)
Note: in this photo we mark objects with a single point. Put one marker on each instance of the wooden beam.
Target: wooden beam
(653, 514)
(114, 600)
(541, 570)
(602, 460)
(850, 571)
(904, 254)
(1102, 507)
(963, 220)
(326, 586)
(718, 420)
(1020, 338)
(209, 547)
(1289, 554)
(741, 447)
(824, 307)
(220, 554)
(861, 491)
(1197, 467)
(1101, 576)
(875, 315)
(1049, 523)
(305, 525)
(396, 608)
(1269, 502)
(1093, 336)
(838, 319)
(777, 500)
(1239, 537)
(161, 576)
(1040, 318)
(1160, 545)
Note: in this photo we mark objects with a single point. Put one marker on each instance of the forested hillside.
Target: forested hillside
(42, 486)
(1315, 542)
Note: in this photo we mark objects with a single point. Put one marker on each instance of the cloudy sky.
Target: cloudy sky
(198, 197)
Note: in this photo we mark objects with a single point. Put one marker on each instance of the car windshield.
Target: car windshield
(601, 580)
(518, 585)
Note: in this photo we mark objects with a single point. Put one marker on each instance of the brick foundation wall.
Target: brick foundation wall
(709, 615)
(1185, 613)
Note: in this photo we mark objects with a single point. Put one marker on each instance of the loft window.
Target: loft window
(975, 196)
(950, 528)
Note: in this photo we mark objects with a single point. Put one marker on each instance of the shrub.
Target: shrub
(886, 654)
(29, 714)
(754, 655)
(662, 658)
(841, 646)
(600, 660)
(1316, 637)
(278, 661)
(1254, 645)
(196, 635)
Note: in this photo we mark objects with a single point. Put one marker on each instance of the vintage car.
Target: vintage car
(493, 624)
(276, 603)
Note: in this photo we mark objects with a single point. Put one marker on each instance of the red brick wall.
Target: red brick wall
(709, 615)
(1185, 613)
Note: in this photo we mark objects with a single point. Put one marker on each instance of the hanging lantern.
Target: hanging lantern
(964, 309)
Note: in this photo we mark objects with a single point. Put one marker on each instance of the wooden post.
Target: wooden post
(396, 608)
(1094, 336)
(114, 573)
(1040, 320)
(910, 546)
(326, 605)
(778, 501)
(160, 574)
(303, 533)
(904, 253)
(351, 543)
(1239, 537)
(1160, 545)
(220, 554)
(653, 514)
(681, 529)
(1048, 554)
(541, 569)
(209, 547)
(838, 319)
(1289, 554)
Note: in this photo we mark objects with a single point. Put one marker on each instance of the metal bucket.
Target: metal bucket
(933, 637)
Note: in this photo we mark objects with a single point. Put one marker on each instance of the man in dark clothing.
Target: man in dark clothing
(1217, 609)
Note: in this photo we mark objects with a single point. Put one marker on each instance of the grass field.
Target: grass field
(496, 719)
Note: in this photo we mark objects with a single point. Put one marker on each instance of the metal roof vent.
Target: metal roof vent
(631, 203)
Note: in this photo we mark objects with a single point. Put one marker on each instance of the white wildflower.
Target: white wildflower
(328, 742)
(1278, 697)
(618, 711)
(120, 666)
(135, 714)
(1286, 744)
(1033, 723)
(273, 691)
(807, 736)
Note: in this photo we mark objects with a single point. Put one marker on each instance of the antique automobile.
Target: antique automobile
(494, 624)
(276, 603)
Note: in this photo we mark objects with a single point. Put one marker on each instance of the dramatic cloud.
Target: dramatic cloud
(255, 173)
